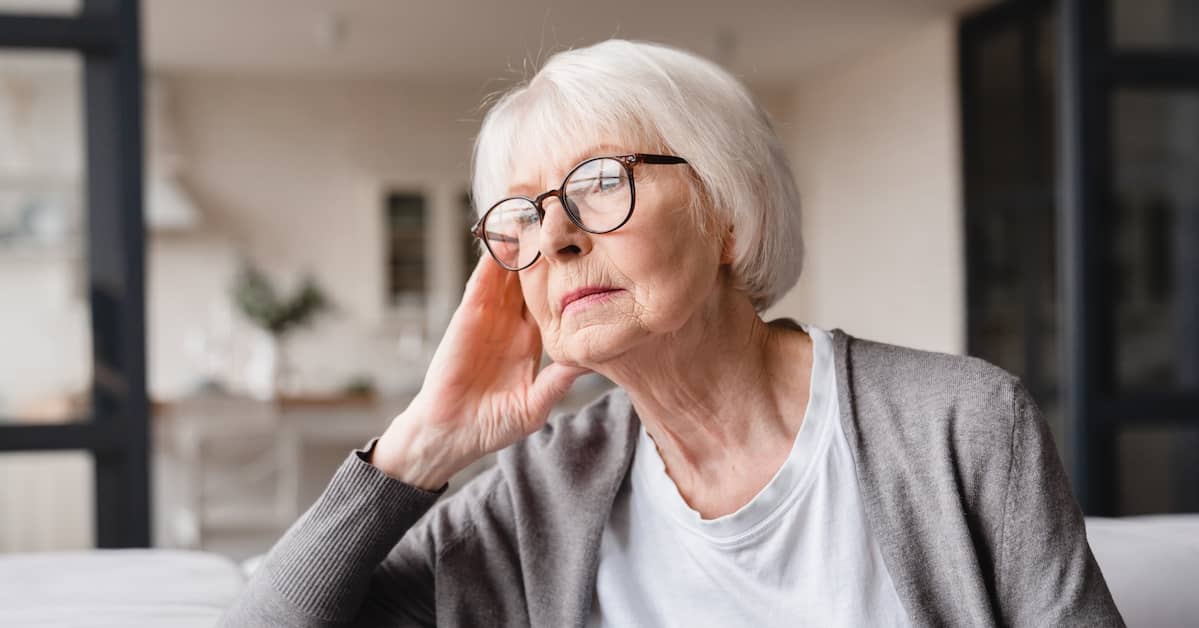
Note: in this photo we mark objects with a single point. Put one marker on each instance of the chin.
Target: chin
(596, 343)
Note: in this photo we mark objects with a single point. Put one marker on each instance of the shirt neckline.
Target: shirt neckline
(789, 482)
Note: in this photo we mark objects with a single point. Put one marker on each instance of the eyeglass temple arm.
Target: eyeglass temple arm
(658, 159)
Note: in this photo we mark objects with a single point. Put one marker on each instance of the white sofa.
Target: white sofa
(116, 589)
(1151, 565)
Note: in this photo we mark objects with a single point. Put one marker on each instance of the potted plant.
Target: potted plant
(258, 299)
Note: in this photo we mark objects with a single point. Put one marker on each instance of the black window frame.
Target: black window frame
(1090, 70)
(116, 430)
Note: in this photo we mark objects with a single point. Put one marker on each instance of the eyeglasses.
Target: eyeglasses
(598, 196)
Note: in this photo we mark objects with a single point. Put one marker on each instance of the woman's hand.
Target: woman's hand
(482, 391)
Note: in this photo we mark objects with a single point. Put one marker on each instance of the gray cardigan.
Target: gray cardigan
(959, 476)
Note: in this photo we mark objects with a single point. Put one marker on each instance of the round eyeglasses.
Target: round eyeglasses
(598, 196)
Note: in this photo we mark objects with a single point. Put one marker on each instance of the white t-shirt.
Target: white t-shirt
(800, 553)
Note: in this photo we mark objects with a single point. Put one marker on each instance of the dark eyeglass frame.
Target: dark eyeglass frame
(628, 161)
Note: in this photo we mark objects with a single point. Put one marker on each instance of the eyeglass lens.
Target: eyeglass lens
(597, 195)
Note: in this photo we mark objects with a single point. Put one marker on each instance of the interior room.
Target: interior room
(233, 235)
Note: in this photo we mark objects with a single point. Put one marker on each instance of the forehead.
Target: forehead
(535, 139)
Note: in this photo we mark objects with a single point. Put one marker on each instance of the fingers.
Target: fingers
(491, 286)
(478, 276)
(551, 385)
(527, 315)
(511, 299)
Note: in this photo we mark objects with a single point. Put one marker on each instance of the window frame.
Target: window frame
(116, 430)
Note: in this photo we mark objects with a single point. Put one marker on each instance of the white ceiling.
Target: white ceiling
(764, 41)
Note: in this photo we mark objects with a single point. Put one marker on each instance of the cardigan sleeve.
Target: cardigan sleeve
(1047, 575)
(321, 571)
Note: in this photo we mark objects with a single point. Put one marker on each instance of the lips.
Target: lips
(583, 292)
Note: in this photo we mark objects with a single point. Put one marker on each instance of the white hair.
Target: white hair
(660, 99)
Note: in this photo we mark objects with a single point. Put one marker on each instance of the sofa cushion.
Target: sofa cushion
(110, 588)
(1151, 565)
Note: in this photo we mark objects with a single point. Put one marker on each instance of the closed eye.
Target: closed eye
(598, 184)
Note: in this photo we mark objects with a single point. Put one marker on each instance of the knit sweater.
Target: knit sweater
(960, 480)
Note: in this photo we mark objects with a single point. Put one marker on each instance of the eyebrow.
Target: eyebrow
(598, 150)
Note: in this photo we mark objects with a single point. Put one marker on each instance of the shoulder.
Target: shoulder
(918, 417)
(930, 390)
(891, 366)
(955, 426)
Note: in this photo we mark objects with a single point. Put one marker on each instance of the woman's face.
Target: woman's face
(659, 268)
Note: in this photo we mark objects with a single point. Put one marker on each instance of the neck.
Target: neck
(722, 397)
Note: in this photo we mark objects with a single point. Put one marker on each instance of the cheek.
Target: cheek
(685, 281)
(670, 277)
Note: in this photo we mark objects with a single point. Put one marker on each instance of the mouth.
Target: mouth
(586, 296)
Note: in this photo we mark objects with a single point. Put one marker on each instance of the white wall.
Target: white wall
(874, 141)
(293, 172)
(289, 172)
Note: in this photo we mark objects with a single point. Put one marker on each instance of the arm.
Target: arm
(319, 572)
(484, 390)
(1046, 574)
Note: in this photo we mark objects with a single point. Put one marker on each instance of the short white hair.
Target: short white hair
(660, 99)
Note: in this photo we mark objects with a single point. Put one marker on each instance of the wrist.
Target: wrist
(406, 454)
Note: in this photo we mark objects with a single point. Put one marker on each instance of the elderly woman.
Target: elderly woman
(640, 215)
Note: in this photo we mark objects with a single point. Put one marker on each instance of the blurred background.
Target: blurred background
(232, 231)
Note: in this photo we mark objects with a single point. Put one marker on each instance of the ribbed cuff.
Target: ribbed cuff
(324, 562)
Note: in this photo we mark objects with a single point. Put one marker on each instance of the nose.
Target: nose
(561, 239)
